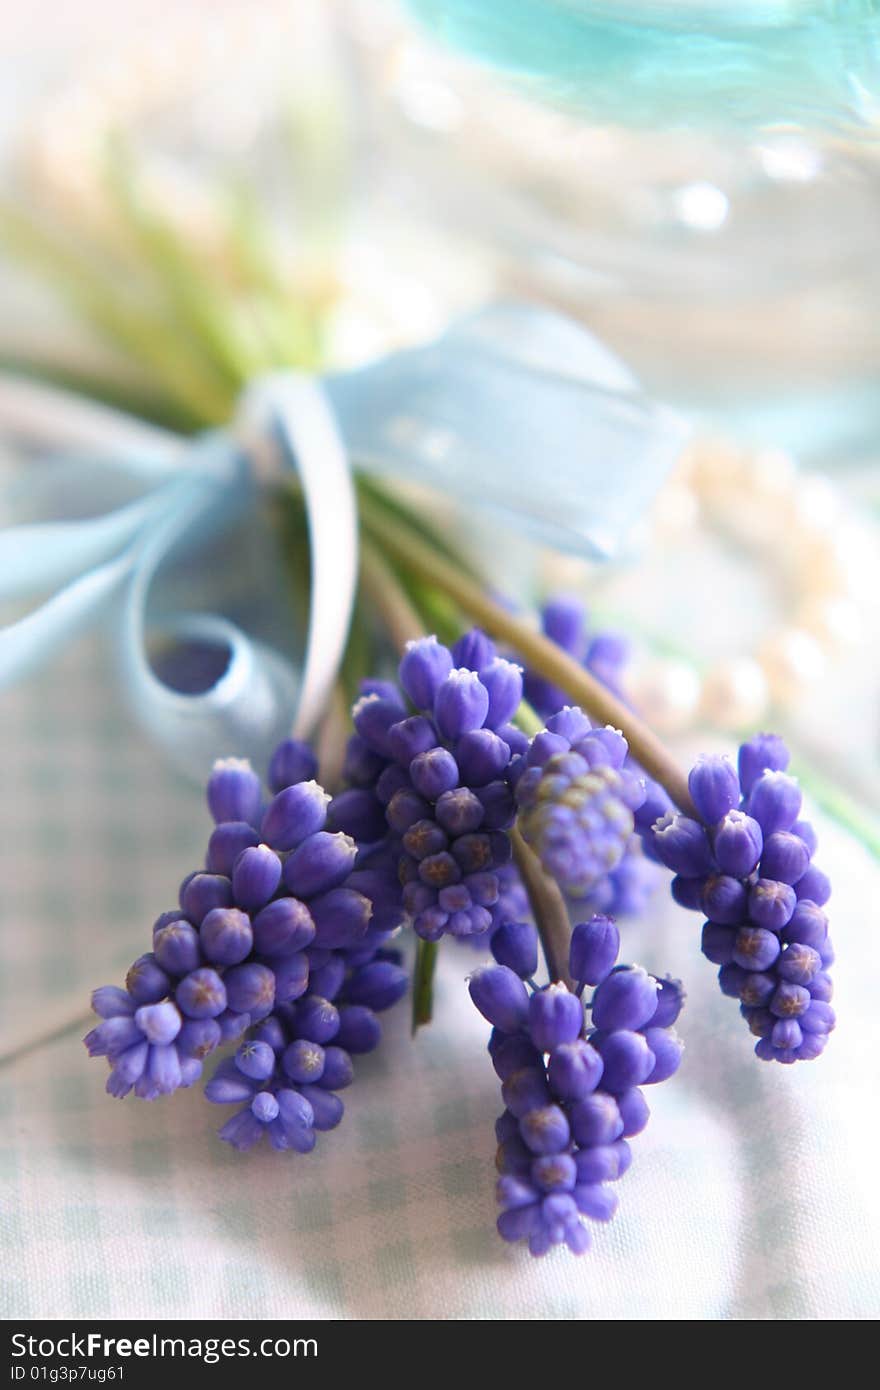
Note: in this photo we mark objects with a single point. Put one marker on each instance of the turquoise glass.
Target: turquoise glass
(752, 64)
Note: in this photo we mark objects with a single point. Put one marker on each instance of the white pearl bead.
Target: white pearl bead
(666, 692)
(792, 661)
(735, 693)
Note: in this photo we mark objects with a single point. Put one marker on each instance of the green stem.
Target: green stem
(391, 602)
(423, 984)
(548, 909)
(541, 654)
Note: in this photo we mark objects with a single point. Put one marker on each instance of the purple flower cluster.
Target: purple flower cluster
(565, 620)
(282, 937)
(429, 764)
(571, 1092)
(747, 865)
(577, 800)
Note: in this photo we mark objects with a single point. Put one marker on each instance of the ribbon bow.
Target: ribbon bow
(515, 409)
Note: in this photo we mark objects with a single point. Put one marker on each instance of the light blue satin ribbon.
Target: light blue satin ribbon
(514, 409)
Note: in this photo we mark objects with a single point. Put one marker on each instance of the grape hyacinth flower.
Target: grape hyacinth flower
(438, 767)
(572, 1090)
(280, 941)
(577, 800)
(747, 865)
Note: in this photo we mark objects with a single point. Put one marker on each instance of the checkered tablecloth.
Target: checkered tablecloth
(752, 1194)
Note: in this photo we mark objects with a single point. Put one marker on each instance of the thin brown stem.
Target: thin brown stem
(548, 909)
(538, 651)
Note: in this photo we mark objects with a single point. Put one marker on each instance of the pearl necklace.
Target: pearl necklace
(797, 527)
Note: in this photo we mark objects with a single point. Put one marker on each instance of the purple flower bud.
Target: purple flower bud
(232, 1025)
(303, 1061)
(461, 704)
(341, 918)
(817, 1018)
(321, 862)
(234, 791)
(146, 982)
(570, 723)
(226, 936)
(808, 924)
(763, 753)
(564, 620)
(250, 989)
(515, 944)
(525, 1090)
(294, 814)
(821, 986)
(774, 802)
(545, 1131)
(790, 1000)
(362, 763)
(255, 1060)
(393, 779)
(109, 1001)
(804, 831)
(717, 943)
(317, 1019)
(159, 1023)
(771, 904)
(599, 1164)
(338, 1069)
(255, 877)
(228, 1085)
(359, 1028)
(670, 1002)
(440, 871)
(410, 737)
(481, 757)
(473, 650)
(373, 717)
(176, 948)
(786, 1034)
(627, 1059)
(724, 899)
(226, 844)
(283, 927)
(814, 887)
(756, 988)
(593, 951)
(500, 996)
(754, 948)
(201, 994)
(512, 1052)
(556, 1016)
(714, 788)
(575, 1070)
(682, 845)
(798, 963)
(785, 858)
(634, 1112)
(204, 892)
(459, 811)
(596, 1120)
(688, 892)
(297, 1117)
(327, 1109)
(554, 1172)
(626, 998)
(405, 808)
(423, 668)
(503, 682)
(291, 977)
(357, 813)
(378, 984)
(198, 1037)
(667, 1048)
(738, 842)
(499, 807)
(293, 761)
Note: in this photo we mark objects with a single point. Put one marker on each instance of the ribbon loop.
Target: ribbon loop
(514, 409)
